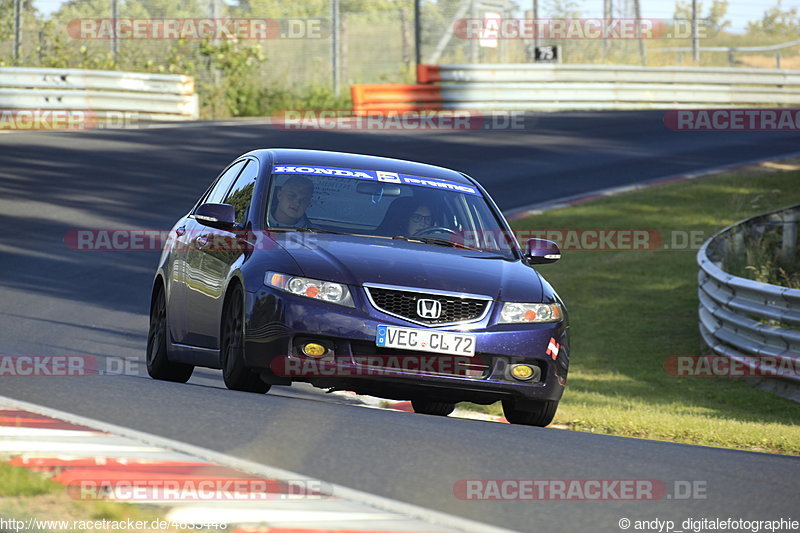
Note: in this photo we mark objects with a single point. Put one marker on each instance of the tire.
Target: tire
(158, 365)
(540, 415)
(427, 407)
(235, 374)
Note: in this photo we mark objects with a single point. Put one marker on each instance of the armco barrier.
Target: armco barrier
(158, 96)
(395, 97)
(556, 86)
(741, 317)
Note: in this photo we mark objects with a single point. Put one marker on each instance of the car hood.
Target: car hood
(357, 260)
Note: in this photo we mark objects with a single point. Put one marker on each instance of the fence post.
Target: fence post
(789, 243)
(115, 40)
(417, 33)
(335, 46)
(17, 24)
(695, 37)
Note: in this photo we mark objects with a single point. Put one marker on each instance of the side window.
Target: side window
(242, 192)
(223, 184)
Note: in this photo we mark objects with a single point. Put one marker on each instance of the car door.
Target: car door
(216, 252)
(186, 267)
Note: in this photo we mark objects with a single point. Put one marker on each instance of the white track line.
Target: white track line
(567, 201)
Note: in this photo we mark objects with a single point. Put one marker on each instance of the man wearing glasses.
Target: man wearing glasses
(420, 219)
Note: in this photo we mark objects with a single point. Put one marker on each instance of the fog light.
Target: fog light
(522, 372)
(312, 349)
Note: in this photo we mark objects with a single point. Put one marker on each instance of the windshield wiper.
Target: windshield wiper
(310, 230)
(435, 240)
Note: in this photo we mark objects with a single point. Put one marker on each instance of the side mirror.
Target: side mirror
(542, 251)
(220, 216)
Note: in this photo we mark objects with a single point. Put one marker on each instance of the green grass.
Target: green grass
(630, 310)
(25, 493)
(18, 481)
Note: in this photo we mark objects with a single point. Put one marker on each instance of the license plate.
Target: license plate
(425, 340)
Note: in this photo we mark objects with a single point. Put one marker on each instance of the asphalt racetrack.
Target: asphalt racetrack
(60, 301)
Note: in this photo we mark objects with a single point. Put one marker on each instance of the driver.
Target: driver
(406, 216)
(292, 201)
(420, 218)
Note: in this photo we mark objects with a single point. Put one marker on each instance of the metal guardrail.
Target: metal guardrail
(158, 96)
(741, 317)
(767, 48)
(553, 73)
(554, 87)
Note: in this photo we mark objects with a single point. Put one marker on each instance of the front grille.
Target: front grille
(369, 355)
(454, 309)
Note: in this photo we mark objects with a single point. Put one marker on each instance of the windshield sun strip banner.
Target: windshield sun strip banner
(375, 175)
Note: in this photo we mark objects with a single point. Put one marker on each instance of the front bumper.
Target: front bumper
(277, 321)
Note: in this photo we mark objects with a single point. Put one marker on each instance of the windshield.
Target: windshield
(385, 204)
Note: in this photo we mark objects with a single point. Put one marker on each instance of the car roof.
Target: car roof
(287, 156)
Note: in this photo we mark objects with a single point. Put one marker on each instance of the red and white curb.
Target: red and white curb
(133, 466)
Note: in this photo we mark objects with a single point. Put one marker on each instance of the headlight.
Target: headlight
(516, 313)
(327, 291)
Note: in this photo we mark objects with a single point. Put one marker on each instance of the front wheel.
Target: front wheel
(540, 414)
(427, 407)
(234, 373)
(158, 365)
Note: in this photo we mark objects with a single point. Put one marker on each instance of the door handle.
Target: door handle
(180, 231)
(201, 241)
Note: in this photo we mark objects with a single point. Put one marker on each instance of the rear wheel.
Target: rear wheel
(235, 374)
(427, 407)
(539, 414)
(158, 366)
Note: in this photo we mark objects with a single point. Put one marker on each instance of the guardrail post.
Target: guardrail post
(789, 243)
(738, 242)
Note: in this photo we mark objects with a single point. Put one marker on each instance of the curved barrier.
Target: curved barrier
(740, 317)
(159, 96)
(556, 86)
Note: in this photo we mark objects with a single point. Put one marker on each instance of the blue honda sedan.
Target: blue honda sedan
(385, 277)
